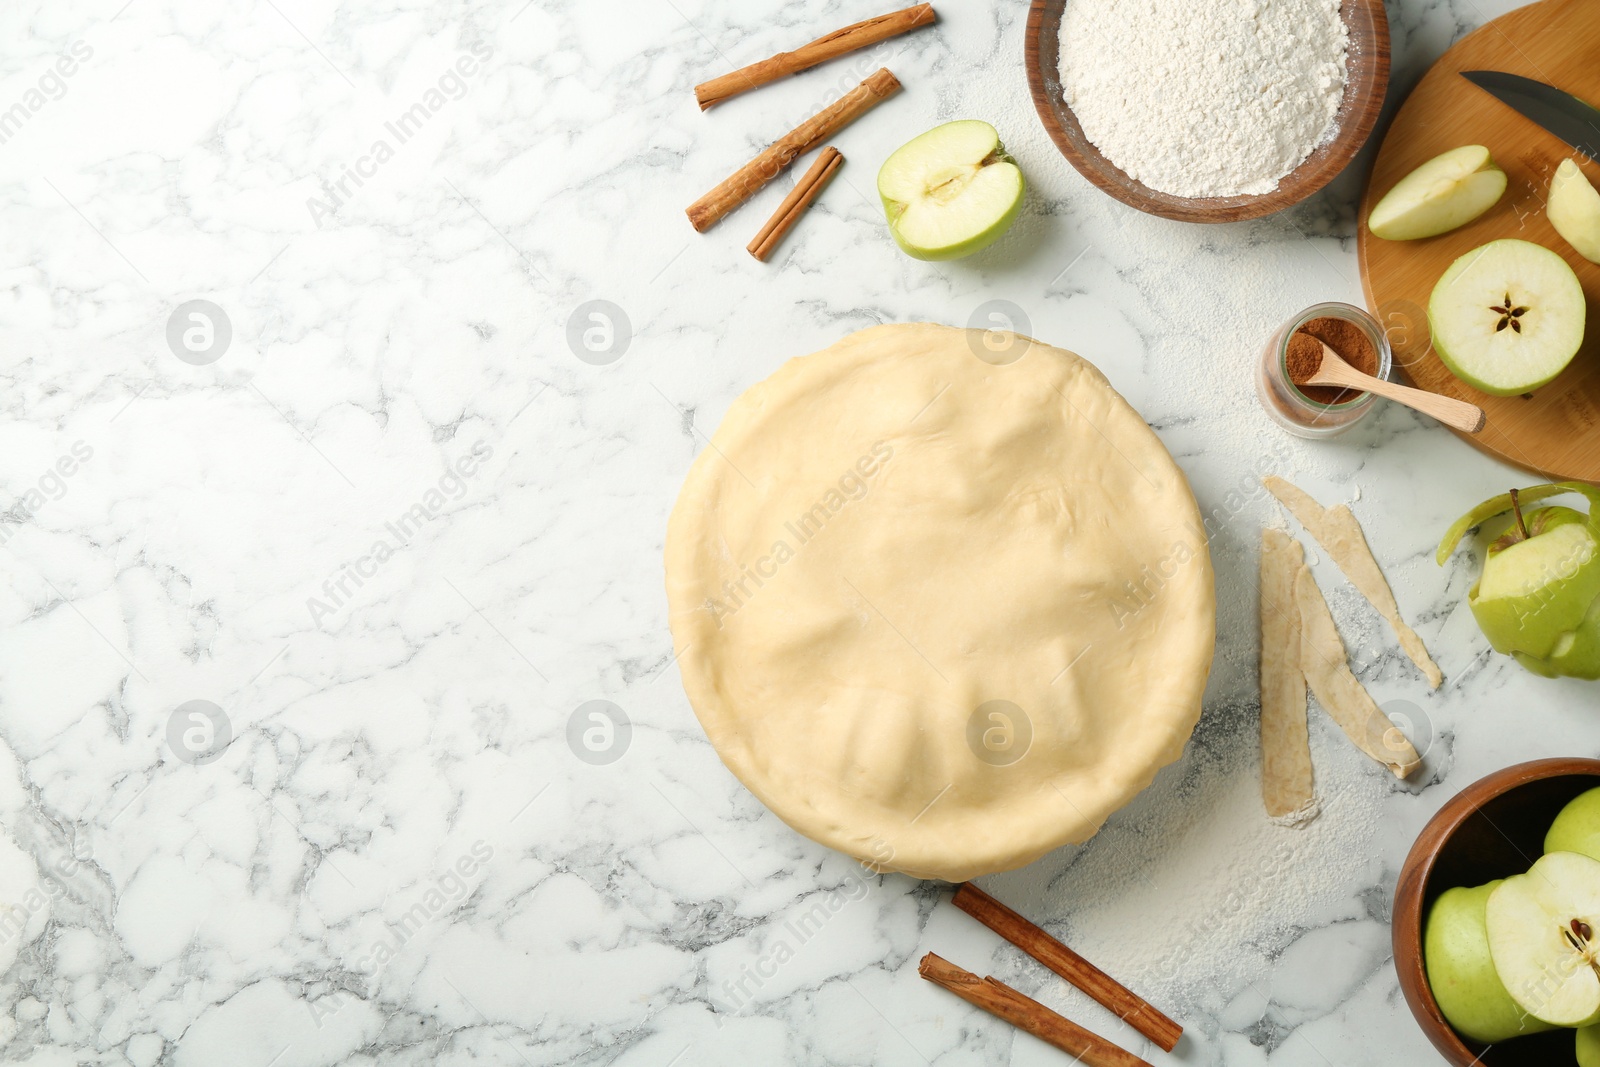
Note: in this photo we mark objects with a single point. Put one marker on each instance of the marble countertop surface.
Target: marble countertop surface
(354, 354)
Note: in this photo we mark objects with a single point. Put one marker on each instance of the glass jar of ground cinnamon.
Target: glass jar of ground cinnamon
(1295, 351)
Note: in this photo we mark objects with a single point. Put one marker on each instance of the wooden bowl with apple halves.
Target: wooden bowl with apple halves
(1494, 828)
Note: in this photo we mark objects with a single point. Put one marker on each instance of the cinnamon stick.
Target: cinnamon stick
(1104, 989)
(1025, 1013)
(794, 205)
(829, 46)
(748, 179)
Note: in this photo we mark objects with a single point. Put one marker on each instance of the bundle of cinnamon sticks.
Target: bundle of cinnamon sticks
(772, 161)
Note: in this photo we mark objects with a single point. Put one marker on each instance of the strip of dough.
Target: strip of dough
(1286, 786)
(1340, 693)
(1340, 535)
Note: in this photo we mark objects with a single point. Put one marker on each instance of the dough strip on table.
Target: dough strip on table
(1339, 692)
(1340, 535)
(1286, 776)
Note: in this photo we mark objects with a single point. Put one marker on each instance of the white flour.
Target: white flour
(1205, 98)
(1191, 893)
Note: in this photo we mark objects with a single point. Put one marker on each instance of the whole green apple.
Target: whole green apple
(1538, 582)
(1538, 598)
(1455, 947)
(1589, 1046)
(1577, 828)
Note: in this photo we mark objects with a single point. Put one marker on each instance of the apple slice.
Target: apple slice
(1507, 317)
(950, 191)
(1574, 210)
(1446, 192)
(1455, 950)
(1542, 929)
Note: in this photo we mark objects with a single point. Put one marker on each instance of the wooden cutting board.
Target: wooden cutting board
(1556, 431)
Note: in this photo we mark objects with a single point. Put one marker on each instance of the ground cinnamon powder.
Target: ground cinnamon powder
(1303, 356)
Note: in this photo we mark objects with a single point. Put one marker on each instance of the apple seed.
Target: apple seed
(1510, 315)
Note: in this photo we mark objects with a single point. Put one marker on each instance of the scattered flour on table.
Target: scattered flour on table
(1204, 98)
(1191, 894)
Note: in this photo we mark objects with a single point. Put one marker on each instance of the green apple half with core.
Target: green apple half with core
(1542, 930)
(1574, 210)
(1446, 192)
(1538, 598)
(1507, 317)
(950, 191)
(1455, 950)
(1577, 828)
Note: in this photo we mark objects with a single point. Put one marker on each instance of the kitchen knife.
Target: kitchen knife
(1563, 114)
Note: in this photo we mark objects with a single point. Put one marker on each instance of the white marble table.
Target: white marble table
(295, 623)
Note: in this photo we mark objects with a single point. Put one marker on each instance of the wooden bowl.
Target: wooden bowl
(1491, 829)
(1368, 79)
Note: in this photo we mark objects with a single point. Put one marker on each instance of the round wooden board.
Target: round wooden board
(1555, 432)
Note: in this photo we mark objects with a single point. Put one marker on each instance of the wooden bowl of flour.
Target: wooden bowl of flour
(1367, 66)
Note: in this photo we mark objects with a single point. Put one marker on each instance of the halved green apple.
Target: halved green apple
(1446, 192)
(1542, 930)
(1455, 951)
(1574, 210)
(1507, 317)
(950, 191)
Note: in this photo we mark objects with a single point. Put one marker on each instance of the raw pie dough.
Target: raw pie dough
(1286, 772)
(1338, 532)
(940, 614)
(1339, 691)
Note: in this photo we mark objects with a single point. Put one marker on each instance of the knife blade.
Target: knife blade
(1563, 114)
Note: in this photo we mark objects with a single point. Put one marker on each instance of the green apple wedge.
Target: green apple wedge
(1507, 317)
(1577, 827)
(950, 191)
(1455, 951)
(1538, 598)
(1588, 1050)
(1542, 936)
(1444, 193)
(1573, 208)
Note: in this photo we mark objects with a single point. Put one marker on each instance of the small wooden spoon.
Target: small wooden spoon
(1456, 414)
